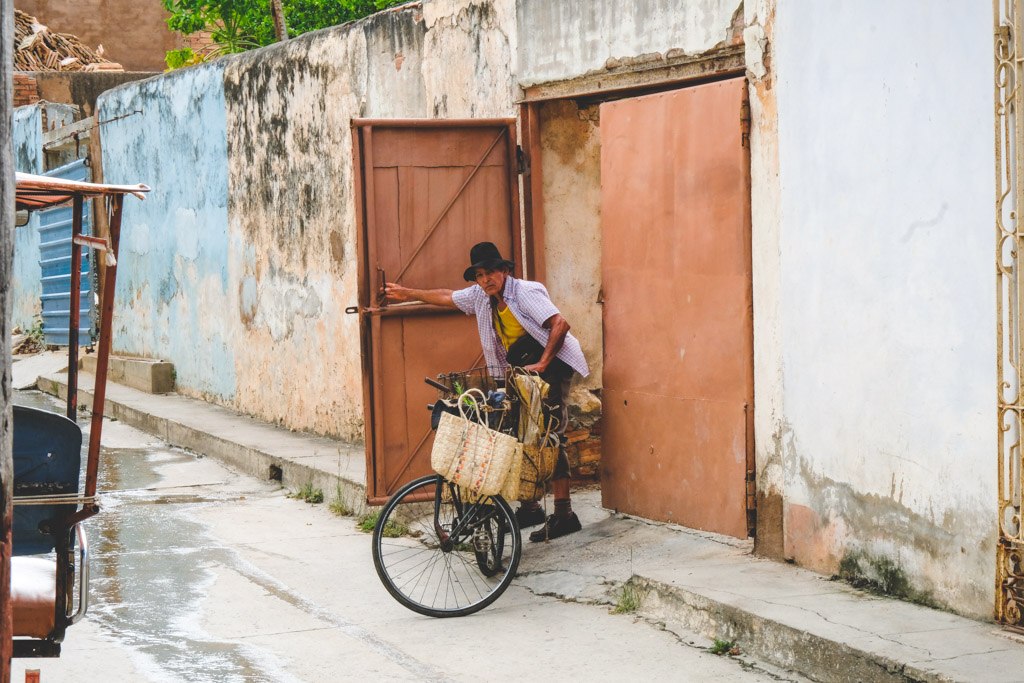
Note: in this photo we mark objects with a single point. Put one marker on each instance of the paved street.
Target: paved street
(201, 574)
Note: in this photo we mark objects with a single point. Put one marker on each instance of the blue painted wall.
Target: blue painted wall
(172, 283)
(28, 158)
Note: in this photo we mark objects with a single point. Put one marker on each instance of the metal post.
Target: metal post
(74, 308)
(6, 249)
(103, 349)
(1008, 16)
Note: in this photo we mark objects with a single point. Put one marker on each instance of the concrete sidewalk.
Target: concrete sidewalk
(253, 447)
(686, 581)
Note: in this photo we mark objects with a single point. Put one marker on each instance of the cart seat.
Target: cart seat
(47, 462)
(33, 596)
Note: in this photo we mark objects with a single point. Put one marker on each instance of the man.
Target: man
(520, 326)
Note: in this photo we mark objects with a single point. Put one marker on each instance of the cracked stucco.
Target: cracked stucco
(173, 281)
(604, 32)
(289, 110)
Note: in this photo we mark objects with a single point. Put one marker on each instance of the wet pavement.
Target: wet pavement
(149, 562)
(202, 574)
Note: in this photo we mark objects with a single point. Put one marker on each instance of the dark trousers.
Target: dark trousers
(559, 379)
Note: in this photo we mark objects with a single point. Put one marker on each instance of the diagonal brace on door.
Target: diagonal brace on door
(447, 207)
(401, 470)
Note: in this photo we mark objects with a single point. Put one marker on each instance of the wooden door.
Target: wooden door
(428, 190)
(678, 335)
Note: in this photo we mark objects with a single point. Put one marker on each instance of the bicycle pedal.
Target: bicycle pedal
(481, 541)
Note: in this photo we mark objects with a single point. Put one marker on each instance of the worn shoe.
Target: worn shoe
(529, 516)
(556, 527)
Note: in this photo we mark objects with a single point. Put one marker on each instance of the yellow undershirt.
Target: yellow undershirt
(509, 331)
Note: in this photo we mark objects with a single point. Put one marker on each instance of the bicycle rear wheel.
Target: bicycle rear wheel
(443, 556)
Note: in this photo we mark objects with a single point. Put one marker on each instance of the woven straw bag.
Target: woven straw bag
(538, 462)
(471, 455)
(537, 466)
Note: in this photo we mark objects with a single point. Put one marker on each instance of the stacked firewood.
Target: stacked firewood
(37, 48)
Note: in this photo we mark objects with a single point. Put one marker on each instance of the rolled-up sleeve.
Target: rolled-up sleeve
(466, 299)
(536, 303)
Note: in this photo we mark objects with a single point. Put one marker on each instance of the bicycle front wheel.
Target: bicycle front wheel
(442, 555)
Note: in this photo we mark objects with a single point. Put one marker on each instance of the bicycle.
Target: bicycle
(438, 550)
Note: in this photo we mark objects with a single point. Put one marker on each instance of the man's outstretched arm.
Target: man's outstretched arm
(437, 297)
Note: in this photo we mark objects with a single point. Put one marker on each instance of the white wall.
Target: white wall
(884, 414)
(569, 38)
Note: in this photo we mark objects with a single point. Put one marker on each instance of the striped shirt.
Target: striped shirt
(530, 303)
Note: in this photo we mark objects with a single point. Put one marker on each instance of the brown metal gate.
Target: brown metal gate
(427, 191)
(678, 335)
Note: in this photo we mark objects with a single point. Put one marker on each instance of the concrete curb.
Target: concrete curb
(255, 462)
(787, 647)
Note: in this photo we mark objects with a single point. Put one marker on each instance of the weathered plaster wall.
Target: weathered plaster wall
(174, 285)
(881, 402)
(470, 58)
(293, 225)
(26, 284)
(26, 287)
(239, 266)
(293, 219)
(566, 39)
(571, 162)
(765, 260)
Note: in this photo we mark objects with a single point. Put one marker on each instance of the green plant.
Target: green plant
(35, 338)
(367, 522)
(308, 494)
(629, 600)
(338, 506)
(392, 529)
(240, 25)
(882, 576)
(723, 647)
(36, 333)
(186, 56)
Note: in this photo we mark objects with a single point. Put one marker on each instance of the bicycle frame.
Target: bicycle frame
(467, 520)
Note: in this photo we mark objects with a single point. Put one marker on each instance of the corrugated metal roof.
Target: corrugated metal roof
(55, 233)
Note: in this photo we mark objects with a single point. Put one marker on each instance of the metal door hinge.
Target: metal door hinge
(522, 161)
(745, 123)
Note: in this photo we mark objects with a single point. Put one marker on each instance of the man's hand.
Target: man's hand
(398, 293)
(539, 368)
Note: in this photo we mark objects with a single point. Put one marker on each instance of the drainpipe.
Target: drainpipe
(6, 249)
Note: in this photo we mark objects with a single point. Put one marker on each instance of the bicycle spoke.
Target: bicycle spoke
(471, 569)
(459, 573)
(426, 583)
